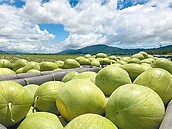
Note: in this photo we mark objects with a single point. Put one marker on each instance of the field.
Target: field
(36, 57)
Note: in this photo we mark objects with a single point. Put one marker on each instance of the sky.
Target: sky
(50, 26)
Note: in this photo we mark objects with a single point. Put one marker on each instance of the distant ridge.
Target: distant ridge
(94, 49)
(10, 52)
(2, 51)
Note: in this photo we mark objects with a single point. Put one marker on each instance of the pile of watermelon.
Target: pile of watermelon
(126, 93)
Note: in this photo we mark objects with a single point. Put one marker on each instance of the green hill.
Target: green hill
(117, 51)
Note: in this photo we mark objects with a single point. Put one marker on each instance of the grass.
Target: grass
(36, 57)
(39, 57)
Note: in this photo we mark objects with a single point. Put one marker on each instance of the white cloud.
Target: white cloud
(85, 22)
(78, 41)
(147, 25)
(17, 33)
(89, 23)
(91, 17)
(143, 25)
(55, 11)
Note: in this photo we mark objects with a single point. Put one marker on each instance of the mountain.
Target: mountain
(94, 49)
(2, 51)
(169, 47)
(10, 52)
(161, 50)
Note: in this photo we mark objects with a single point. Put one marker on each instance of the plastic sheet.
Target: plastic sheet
(20, 81)
(26, 75)
(58, 75)
(39, 78)
(46, 72)
(8, 77)
(2, 127)
(167, 121)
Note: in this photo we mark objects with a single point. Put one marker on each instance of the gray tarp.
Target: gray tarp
(167, 121)
(48, 76)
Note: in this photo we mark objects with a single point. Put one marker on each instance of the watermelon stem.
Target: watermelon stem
(35, 102)
(10, 109)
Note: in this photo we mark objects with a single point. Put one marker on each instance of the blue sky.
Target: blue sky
(57, 30)
(48, 26)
